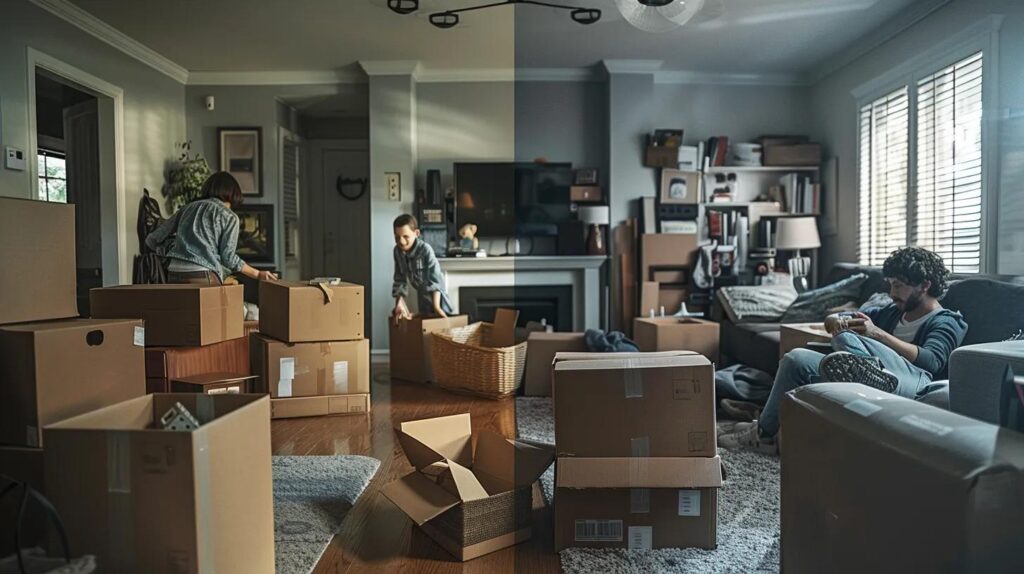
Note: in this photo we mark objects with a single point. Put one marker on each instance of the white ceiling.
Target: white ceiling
(751, 36)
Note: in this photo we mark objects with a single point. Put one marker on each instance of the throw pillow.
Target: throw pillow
(876, 301)
(812, 306)
(763, 303)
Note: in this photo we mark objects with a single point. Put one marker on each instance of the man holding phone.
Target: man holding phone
(899, 348)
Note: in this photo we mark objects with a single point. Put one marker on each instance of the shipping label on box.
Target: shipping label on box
(298, 312)
(310, 369)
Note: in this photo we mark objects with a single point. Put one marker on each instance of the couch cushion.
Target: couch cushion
(993, 309)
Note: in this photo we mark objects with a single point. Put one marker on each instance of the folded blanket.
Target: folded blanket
(756, 304)
(598, 341)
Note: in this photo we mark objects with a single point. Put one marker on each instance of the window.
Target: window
(925, 190)
(53, 179)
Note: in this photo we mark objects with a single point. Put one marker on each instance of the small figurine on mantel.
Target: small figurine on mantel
(467, 235)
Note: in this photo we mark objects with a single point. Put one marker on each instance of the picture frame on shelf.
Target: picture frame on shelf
(679, 187)
(240, 155)
(255, 233)
(585, 176)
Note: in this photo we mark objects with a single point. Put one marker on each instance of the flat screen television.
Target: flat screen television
(513, 198)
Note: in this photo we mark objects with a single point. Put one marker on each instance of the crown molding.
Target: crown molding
(727, 79)
(391, 67)
(588, 74)
(278, 78)
(443, 75)
(105, 32)
(632, 66)
(871, 41)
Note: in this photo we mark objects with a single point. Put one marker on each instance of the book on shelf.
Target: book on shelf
(717, 150)
(800, 194)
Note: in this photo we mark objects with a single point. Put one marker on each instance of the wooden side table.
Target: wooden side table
(797, 335)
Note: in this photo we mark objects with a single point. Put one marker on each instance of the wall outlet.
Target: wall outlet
(393, 182)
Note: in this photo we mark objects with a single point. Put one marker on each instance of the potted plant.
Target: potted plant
(185, 177)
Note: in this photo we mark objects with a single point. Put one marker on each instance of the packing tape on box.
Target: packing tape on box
(632, 379)
(321, 372)
(120, 510)
(204, 527)
(639, 500)
(223, 312)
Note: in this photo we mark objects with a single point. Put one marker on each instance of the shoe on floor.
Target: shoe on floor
(746, 436)
(843, 367)
(740, 410)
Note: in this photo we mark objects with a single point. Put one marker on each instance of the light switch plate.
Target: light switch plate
(14, 158)
(393, 182)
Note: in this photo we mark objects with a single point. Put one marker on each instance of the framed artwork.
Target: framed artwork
(255, 233)
(679, 186)
(240, 156)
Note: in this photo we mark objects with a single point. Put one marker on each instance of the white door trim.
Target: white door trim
(37, 59)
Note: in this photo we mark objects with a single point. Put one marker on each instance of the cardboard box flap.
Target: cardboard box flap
(431, 440)
(461, 482)
(511, 463)
(503, 333)
(419, 497)
(946, 442)
(572, 356)
(621, 472)
(692, 360)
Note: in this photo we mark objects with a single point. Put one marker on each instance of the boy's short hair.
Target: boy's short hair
(406, 219)
(914, 266)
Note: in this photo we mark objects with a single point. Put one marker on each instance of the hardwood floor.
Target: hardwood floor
(376, 536)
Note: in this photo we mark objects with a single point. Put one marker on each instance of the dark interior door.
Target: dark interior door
(82, 145)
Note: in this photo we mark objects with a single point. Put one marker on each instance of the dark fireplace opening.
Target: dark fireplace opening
(552, 303)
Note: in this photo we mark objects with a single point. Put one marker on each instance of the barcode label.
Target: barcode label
(640, 537)
(287, 368)
(341, 377)
(598, 531)
(689, 502)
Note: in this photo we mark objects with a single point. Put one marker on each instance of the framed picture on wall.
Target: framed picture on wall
(240, 156)
(679, 186)
(255, 233)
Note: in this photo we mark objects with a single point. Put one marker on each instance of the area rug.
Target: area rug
(748, 515)
(312, 495)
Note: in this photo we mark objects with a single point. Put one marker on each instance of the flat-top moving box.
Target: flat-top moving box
(677, 334)
(298, 312)
(797, 335)
(410, 340)
(635, 406)
(310, 369)
(37, 256)
(58, 369)
(540, 353)
(637, 504)
(164, 364)
(470, 503)
(175, 315)
(147, 500)
(357, 404)
(872, 482)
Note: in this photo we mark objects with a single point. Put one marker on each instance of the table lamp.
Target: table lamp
(794, 234)
(594, 216)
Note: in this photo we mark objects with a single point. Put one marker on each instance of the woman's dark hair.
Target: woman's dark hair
(914, 266)
(223, 186)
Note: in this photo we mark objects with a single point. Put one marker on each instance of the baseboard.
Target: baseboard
(379, 356)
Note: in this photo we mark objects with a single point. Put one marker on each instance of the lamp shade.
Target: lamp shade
(797, 233)
(594, 214)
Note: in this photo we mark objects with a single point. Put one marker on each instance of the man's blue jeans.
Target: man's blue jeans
(800, 367)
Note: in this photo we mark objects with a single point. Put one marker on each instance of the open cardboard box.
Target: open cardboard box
(470, 503)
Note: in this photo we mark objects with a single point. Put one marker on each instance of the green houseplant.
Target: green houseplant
(185, 177)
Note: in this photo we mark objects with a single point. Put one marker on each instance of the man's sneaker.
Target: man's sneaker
(843, 367)
(740, 410)
(746, 436)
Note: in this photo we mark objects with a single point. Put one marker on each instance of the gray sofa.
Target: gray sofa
(992, 305)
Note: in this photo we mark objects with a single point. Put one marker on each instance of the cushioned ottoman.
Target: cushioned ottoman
(977, 374)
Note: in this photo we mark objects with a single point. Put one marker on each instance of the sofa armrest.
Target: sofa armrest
(979, 379)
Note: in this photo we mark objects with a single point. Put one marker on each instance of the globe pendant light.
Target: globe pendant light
(658, 15)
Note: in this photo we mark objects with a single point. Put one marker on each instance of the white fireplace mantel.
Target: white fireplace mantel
(582, 272)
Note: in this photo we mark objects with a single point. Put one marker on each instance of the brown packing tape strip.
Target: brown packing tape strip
(223, 312)
(321, 372)
(120, 509)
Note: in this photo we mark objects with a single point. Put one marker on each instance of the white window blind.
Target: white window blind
(884, 129)
(948, 191)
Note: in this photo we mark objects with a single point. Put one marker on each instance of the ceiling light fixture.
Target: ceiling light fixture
(450, 18)
(658, 15)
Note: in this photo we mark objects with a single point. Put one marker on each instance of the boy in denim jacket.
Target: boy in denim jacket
(415, 263)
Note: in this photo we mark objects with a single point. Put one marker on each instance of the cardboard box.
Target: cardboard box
(541, 349)
(873, 482)
(175, 315)
(661, 407)
(605, 503)
(470, 503)
(143, 499)
(661, 156)
(163, 364)
(668, 259)
(797, 335)
(215, 384)
(677, 334)
(585, 193)
(358, 404)
(410, 345)
(58, 369)
(649, 298)
(796, 155)
(310, 369)
(37, 255)
(300, 313)
(25, 465)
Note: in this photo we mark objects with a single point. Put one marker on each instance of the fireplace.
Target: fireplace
(552, 303)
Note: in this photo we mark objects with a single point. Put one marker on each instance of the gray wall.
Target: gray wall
(835, 114)
(562, 121)
(154, 116)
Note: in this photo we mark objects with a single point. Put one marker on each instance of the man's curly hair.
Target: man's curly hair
(914, 266)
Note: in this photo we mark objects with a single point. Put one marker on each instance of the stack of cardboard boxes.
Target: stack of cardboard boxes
(310, 353)
(53, 365)
(651, 479)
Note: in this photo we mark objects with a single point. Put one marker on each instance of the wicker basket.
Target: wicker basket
(464, 362)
